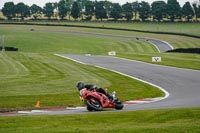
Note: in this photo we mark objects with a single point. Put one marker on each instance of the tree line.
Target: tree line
(100, 10)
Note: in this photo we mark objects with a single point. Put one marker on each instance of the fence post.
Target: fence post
(3, 42)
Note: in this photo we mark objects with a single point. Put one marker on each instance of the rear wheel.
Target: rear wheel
(93, 104)
(89, 108)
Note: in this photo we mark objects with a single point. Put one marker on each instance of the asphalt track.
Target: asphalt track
(182, 85)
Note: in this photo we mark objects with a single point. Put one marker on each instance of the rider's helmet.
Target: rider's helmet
(80, 85)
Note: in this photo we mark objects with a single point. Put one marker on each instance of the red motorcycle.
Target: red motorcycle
(96, 101)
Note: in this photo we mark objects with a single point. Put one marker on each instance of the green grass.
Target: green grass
(175, 41)
(52, 42)
(28, 77)
(189, 61)
(183, 28)
(153, 121)
(34, 73)
(66, 43)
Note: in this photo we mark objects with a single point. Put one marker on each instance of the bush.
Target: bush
(9, 48)
(186, 50)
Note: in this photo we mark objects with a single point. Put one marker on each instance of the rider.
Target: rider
(80, 85)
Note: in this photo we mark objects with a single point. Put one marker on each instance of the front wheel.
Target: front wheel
(93, 104)
(118, 105)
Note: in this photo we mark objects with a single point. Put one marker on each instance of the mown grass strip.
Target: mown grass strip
(180, 60)
(50, 41)
(155, 28)
(52, 80)
(35, 73)
(165, 121)
(175, 41)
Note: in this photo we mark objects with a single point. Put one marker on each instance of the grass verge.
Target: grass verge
(152, 121)
(178, 28)
(28, 77)
(32, 74)
(62, 42)
(180, 60)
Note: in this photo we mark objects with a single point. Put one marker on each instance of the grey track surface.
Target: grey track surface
(182, 84)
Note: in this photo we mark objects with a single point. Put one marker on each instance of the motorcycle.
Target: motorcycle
(96, 101)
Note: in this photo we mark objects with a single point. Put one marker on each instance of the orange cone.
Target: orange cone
(37, 104)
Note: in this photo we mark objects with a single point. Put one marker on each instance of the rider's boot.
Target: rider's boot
(111, 97)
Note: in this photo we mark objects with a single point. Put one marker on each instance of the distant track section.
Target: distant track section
(161, 46)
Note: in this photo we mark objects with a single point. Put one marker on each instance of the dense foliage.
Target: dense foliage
(106, 10)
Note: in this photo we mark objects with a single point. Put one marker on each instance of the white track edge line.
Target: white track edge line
(162, 89)
(155, 46)
(160, 98)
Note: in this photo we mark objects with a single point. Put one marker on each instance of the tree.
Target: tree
(69, 6)
(127, 11)
(89, 10)
(195, 7)
(35, 11)
(22, 10)
(135, 6)
(9, 10)
(107, 6)
(187, 11)
(116, 11)
(81, 5)
(62, 9)
(158, 10)
(198, 12)
(144, 10)
(75, 12)
(49, 10)
(173, 9)
(100, 10)
(55, 10)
